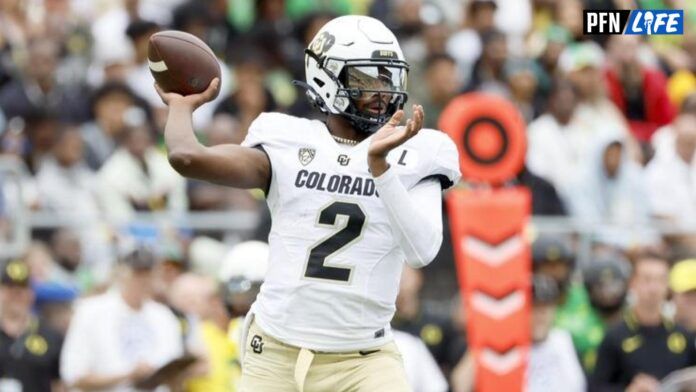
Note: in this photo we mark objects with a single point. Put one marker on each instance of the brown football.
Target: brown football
(181, 62)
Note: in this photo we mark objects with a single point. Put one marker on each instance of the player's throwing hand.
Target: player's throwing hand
(194, 100)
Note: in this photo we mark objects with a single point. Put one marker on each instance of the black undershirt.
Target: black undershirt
(629, 349)
(32, 359)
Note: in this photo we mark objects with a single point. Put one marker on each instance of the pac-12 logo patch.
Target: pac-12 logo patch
(257, 344)
(306, 155)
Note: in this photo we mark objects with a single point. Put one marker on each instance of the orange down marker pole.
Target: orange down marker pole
(491, 252)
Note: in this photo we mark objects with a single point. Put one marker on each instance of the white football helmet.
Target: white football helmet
(355, 57)
(247, 260)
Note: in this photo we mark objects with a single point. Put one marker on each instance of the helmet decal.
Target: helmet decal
(322, 43)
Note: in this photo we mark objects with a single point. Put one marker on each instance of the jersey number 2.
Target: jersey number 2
(348, 233)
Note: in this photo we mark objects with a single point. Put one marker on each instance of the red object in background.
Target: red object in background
(658, 108)
(491, 251)
(489, 132)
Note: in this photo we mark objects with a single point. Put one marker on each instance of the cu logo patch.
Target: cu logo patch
(343, 160)
(257, 344)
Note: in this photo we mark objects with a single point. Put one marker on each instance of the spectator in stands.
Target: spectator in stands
(594, 304)
(223, 370)
(68, 187)
(595, 115)
(113, 106)
(427, 37)
(663, 138)
(646, 346)
(118, 338)
(569, 16)
(466, 45)
(553, 364)
(488, 73)
(639, 91)
(251, 95)
(611, 187)
(556, 145)
(682, 82)
(459, 344)
(401, 17)
(171, 264)
(177, 297)
(523, 85)
(441, 85)
(272, 32)
(436, 332)
(138, 177)
(4, 221)
(29, 348)
(671, 175)
(208, 21)
(552, 256)
(40, 128)
(66, 252)
(545, 197)
(555, 38)
(435, 33)
(139, 78)
(38, 88)
(184, 300)
(422, 371)
(224, 129)
(54, 305)
(65, 183)
(682, 281)
(16, 27)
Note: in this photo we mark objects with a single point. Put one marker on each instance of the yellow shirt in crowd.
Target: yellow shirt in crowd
(223, 361)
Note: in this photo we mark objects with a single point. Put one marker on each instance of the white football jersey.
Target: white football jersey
(334, 265)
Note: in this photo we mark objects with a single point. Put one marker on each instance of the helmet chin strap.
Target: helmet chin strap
(361, 125)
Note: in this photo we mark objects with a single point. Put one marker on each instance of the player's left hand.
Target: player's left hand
(391, 135)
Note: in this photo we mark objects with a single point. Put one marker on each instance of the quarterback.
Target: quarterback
(351, 198)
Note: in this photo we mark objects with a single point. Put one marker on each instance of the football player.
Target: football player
(351, 199)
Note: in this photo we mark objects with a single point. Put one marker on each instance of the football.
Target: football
(181, 63)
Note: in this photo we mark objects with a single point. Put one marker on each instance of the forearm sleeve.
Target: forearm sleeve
(415, 216)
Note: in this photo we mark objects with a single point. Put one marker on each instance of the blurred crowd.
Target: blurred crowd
(611, 125)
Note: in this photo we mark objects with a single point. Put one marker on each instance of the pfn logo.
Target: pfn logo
(641, 22)
(656, 22)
